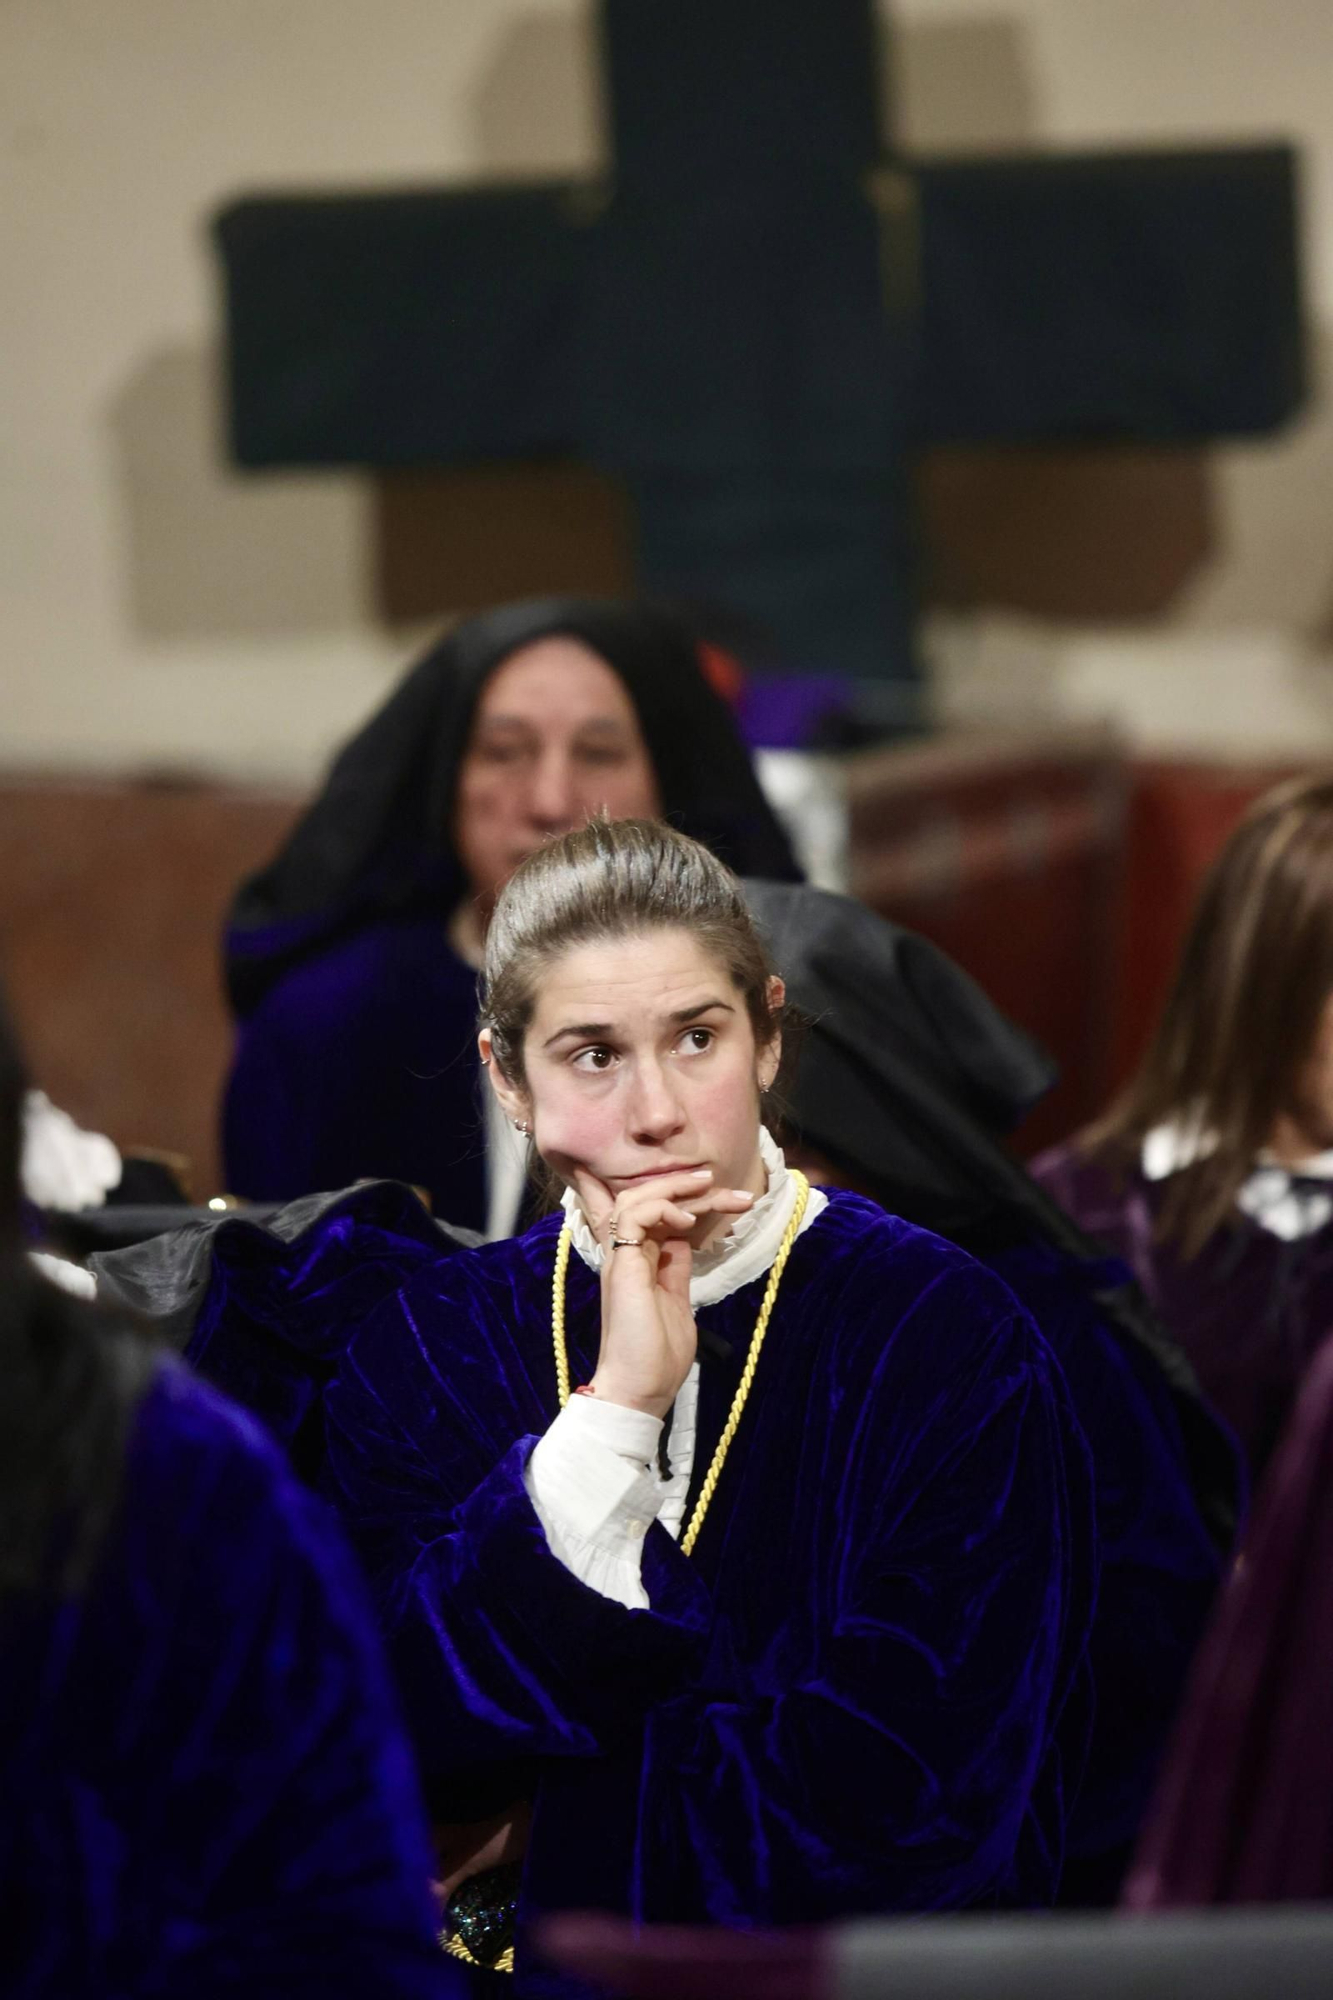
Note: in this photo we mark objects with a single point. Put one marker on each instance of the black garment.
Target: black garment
(909, 1078)
(375, 843)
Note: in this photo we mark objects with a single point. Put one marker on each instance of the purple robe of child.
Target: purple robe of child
(1249, 1310)
(204, 1788)
(864, 1691)
(1245, 1810)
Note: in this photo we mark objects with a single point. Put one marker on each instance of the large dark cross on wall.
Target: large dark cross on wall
(762, 312)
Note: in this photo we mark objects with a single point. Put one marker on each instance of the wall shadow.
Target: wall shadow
(211, 551)
(1274, 562)
(961, 85)
(538, 110)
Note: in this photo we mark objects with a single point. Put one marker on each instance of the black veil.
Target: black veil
(375, 840)
(909, 1078)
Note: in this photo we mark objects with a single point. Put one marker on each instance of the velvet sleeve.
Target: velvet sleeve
(270, 1116)
(900, 1768)
(233, 1722)
(501, 1654)
(1167, 1474)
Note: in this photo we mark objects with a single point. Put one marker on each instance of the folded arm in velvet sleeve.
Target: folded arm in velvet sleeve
(501, 1653)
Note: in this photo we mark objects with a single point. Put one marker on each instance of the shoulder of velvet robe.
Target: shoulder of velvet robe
(223, 1686)
(873, 1268)
(459, 1362)
(360, 979)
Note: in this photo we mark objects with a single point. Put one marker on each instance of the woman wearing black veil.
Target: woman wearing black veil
(907, 1082)
(351, 958)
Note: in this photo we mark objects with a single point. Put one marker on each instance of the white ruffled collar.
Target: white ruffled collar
(1275, 1196)
(749, 1246)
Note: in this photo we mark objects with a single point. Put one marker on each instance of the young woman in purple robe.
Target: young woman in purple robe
(204, 1788)
(732, 1539)
(1212, 1176)
(352, 958)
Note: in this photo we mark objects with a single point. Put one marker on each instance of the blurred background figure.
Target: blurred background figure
(352, 958)
(1243, 1814)
(905, 1083)
(203, 1787)
(1212, 1174)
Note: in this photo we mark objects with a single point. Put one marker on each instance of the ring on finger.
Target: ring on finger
(626, 1242)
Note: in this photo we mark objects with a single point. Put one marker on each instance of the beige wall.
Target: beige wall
(1245, 663)
(156, 610)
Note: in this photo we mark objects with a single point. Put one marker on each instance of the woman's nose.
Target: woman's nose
(654, 1108)
(553, 799)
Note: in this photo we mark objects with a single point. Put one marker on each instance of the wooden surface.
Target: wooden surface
(1007, 852)
(1058, 874)
(111, 905)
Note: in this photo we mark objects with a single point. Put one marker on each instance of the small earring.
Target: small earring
(526, 1130)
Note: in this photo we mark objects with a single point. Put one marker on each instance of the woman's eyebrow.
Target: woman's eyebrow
(485, 722)
(684, 1014)
(601, 1031)
(592, 1031)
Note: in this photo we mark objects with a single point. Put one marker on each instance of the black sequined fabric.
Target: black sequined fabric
(481, 1912)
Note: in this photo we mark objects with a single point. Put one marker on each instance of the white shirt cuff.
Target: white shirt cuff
(595, 1489)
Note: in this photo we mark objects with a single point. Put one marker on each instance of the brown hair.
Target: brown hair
(1240, 1022)
(614, 879)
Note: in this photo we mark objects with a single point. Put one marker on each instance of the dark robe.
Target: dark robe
(1245, 1811)
(362, 1062)
(357, 1020)
(264, 1309)
(907, 1079)
(864, 1691)
(204, 1789)
(1249, 1310)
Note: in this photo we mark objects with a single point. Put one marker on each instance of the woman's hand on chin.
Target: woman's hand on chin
(648, 1335)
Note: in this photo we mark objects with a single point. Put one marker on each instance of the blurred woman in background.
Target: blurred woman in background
(203, 1788)
(352, 958)
(1212, 1175)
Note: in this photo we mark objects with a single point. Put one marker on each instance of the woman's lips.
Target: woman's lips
(654, 1173)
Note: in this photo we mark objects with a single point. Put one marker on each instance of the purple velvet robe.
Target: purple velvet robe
(1249, 1310)
(204, 1788)
(1245, 1810)
(1159, 1565)
(865, 1691)
(362, 1063)
(272, 1307)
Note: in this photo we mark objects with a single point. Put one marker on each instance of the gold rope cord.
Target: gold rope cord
(562, 1249)
(451, 1943)
(714, 1473)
